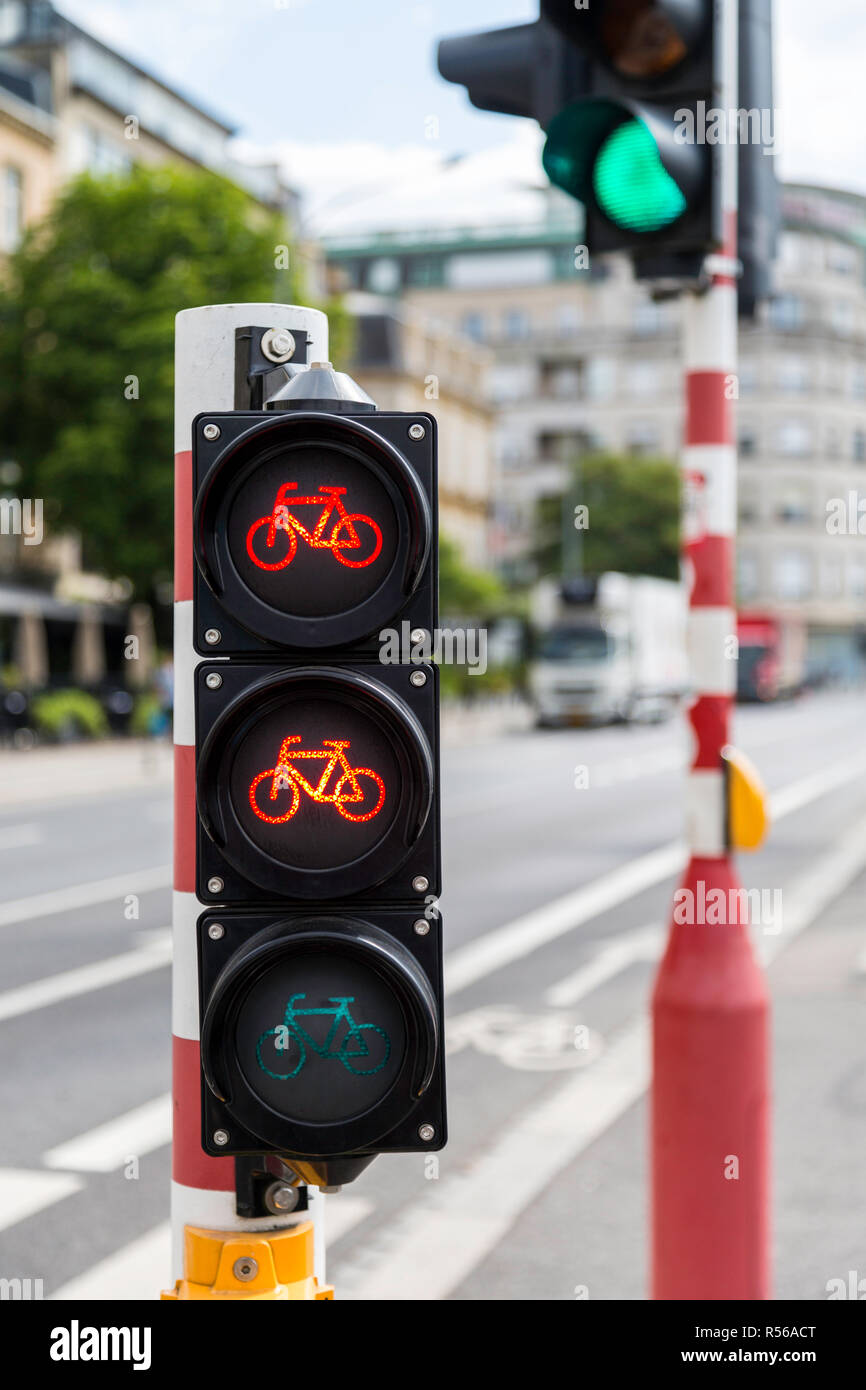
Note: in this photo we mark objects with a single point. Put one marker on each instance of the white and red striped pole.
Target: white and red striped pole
(710, 1092)
(203, 1188)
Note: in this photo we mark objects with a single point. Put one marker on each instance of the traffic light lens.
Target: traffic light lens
(640, 39)
(631, 185)
(320, 1037)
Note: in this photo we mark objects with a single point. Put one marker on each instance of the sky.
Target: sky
(347, 97)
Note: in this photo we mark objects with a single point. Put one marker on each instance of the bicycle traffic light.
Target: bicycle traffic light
(629, 95)
(318, 856)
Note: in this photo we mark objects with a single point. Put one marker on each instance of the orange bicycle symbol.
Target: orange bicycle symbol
(357, 787)
(272, 541)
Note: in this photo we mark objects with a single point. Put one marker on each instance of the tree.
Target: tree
(463, 591)
(631, 520)
(87, 310)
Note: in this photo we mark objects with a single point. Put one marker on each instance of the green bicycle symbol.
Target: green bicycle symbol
(353, 1048)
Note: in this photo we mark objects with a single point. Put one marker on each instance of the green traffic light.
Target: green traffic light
(631, 185)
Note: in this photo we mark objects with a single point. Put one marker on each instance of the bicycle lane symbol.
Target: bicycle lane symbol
(355, 539)
(363, 1049)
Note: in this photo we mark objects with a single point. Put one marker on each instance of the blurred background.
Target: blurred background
(156, 159)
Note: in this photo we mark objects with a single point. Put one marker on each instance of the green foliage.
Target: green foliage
(87, 304)
(146, 710)
(465, 591)
(634, 517)
(69, 714)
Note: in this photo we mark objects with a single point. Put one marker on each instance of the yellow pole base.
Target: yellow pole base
(277, 1265)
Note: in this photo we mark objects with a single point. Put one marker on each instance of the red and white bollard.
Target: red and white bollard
(710, 1090)
(203, 1187)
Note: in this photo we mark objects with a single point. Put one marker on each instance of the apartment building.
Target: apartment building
(585, 360)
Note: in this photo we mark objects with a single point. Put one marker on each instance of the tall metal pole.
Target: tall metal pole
(203, 1187)
(710, 1088)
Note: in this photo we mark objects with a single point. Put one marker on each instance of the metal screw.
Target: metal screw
(418, 634)
(426, 1133)
(278, 345)
(213, 681)
(417, 431)
(215, 885)
(421, 927)
(420, 884)
(245, 1269)
(280, 1198)
(418, 678)
(332, 1189)
(212, 636)
(221, 1137)
(216, 931)
(211, 432)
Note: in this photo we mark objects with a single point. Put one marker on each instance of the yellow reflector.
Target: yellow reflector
(748, 816)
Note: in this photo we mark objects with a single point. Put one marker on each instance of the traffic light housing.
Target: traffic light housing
(318, 850)
(627, 92)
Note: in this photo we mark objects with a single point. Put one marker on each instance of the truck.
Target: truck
(772, 656)
(608, 648)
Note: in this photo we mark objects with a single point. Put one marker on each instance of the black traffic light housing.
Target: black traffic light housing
(318, 851)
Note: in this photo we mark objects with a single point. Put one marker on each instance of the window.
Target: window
(13, 207)
(857, 578)
(832, 577)
(472, 326)
(792, 375)
(795, 503)
(648, 318)
(748, 440)
(516, 324)
(858, 382)
(787, 312)
(565, 382)
(567, 321)
(643, 379)
(102, 155)
(383, 277)
(642, 437)
(842, 317)
(748, 378)
(794, 438)
(748, 501)
(841, 259)
(859, 446)
(600, 378)
(747, 574)
(834, 443)
(792, 574)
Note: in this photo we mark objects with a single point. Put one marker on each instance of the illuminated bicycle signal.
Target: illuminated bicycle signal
(272, 541)
(349, 791)
(354, 1047)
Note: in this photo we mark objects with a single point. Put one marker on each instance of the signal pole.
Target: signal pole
(203, 1198)
(710, 1092)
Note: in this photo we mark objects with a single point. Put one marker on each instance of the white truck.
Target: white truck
(605, 649)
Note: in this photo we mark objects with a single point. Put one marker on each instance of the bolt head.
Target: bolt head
(215, 885)
(418, 634)
(221, 1137)
(417, 431)
(216, 931)
(421, 927)
(418, 678)
(211, 432)
(426, 1133)
(278, 345)
(245, 1269)
(213, 636)
(213, 681)
(420, 884)
(280, 1198)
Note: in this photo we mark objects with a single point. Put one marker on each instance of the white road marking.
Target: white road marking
(516, 939)
(40, 993)
(84, 895)
(139, 1270)
(442, 1238)
(643, 944)
(24, 1192)
(458, 1224)
(20, 836)
(108, 1146)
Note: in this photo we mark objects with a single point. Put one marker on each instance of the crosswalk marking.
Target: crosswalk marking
(108, 1146)
(83, 980)
(24, 1192)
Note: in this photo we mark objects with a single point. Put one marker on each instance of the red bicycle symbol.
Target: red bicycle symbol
(272, 541)
(367, 796)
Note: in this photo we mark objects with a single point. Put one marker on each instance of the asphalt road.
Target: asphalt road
(541, 1193)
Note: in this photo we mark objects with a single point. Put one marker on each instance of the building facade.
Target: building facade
(585, 361)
